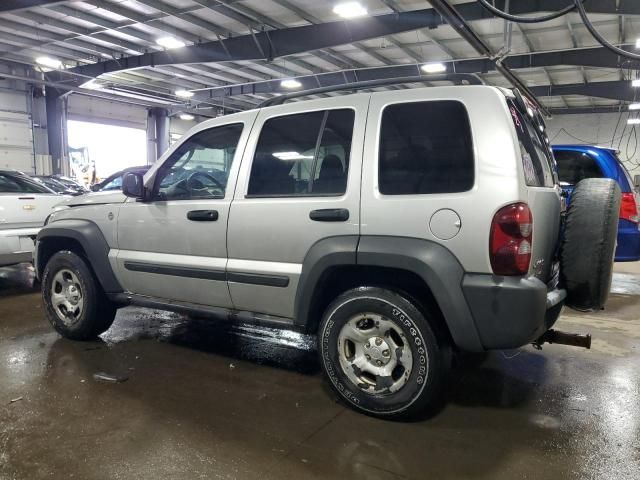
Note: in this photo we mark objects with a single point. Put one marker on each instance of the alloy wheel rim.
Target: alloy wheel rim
(374, 354)
(67, 296)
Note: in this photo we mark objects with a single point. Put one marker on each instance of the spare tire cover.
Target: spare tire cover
(589, 243)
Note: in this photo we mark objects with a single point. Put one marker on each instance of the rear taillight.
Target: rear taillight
(510, 240)
(628, 208)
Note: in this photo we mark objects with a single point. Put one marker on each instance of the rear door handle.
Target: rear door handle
(330, 215)
(203, 215)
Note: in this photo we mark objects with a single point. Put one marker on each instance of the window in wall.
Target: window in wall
(199, 168)
(425, 147)
(303, 154)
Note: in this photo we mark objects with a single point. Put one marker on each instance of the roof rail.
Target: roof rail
(381, 82)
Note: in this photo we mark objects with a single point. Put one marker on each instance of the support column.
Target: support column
(162, 131)
(151, 138)
(56, 128)
(157, 133)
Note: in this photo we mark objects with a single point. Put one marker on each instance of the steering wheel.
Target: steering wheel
(194, 175)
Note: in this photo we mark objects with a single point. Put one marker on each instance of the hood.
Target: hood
(94, 198)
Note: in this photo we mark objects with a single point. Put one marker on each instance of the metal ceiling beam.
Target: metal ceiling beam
(256, 21)
(50, 37)
(290, 41)
(36, 20)
(615, 90)
(276, 43)
(15, 5)
(585, 110)
(463, 28)
(519, 7)
(590, 57)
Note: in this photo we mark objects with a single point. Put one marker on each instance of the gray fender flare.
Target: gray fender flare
(439, 269)
(321, 257)
(435, 264)
(89, 236)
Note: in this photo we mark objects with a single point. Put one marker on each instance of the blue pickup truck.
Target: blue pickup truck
(576, 162)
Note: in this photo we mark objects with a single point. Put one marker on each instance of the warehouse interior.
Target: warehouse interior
(89, 88)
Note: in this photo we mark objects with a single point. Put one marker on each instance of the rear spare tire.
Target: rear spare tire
(588, 247)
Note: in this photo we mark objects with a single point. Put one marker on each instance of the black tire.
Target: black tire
(428, 365)
(96, 313)
(588, 247)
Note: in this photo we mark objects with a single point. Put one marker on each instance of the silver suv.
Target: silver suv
(397, 225)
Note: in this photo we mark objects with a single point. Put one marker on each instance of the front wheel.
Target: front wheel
(381, 354)
(74, 301)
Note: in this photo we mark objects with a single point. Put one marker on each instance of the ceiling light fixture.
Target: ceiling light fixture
(634, 106)
(290, 83)
(638, 43)
(49, 62)
(170, 42)
(184, 93)
(186, 116)
(635, 83)
(633, 121)
(350, 10)
(434, 67)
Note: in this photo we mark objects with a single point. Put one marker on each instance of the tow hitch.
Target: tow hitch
(563, 338)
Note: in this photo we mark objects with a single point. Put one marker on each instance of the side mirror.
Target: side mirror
(133, 185)
(94, 188)
(636, 181)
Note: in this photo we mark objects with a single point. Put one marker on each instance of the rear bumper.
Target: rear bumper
(16, 245)
(628, 249)
(510, 312)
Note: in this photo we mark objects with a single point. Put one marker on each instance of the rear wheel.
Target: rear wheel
(381, 354)
(74, 301)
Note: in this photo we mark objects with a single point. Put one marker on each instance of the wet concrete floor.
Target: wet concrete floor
(207, 400)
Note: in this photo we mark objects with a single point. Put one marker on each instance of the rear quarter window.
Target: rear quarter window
(536, 157)
(425, 147)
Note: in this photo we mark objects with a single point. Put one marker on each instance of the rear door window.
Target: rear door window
(304, 154)
(19, 184)
(425, 147)
(575, 166)
(536, 156)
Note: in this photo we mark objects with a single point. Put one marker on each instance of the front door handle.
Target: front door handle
(330, 215)
(203, 215)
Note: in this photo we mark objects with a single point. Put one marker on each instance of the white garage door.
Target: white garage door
(99, 110)
(16, 140)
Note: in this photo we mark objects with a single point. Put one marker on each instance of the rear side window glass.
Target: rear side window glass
(576, 166)
(19, 184)
(303, 154)
(425, 147)
(535, 155)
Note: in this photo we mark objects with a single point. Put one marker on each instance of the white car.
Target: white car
(24, 206)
